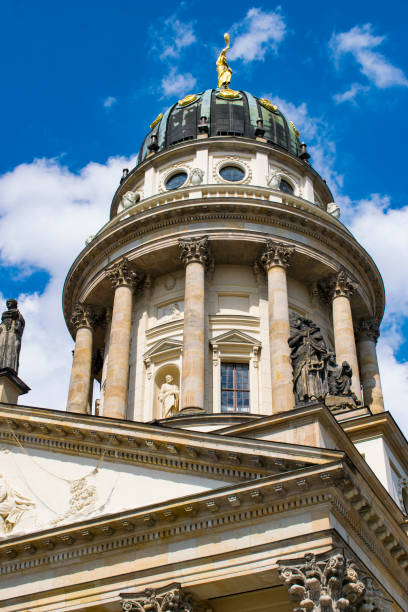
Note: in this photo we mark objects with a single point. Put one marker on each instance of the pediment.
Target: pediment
(163, 348)
(235, 336)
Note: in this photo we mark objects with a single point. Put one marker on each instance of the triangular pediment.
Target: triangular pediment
(235, 336)
(168, 345)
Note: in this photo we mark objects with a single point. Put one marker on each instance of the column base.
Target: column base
(11, 386)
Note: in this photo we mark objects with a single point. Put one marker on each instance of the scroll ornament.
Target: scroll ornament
(330, 585)
(171, 598)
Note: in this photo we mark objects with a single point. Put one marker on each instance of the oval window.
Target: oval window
(232, 173)
(285, 186)
(176, 180)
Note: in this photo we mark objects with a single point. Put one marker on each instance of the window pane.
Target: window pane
(234, 387)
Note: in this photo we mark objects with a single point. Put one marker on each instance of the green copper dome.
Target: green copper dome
(221, 113)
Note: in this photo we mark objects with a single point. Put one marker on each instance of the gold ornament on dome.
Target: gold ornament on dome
(229, 94)
(156, 121)
(294, 129)
(268, 104)
(187, 100)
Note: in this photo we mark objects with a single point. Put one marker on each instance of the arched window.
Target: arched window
(286, 187)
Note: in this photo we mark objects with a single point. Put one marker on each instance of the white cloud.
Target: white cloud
(46, 212)
(360, 43)
(177, 84)
(259, 32)
(350, 94)
(109, 101)
(175, 36)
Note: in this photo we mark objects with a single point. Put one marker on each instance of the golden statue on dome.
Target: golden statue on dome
(223, 69)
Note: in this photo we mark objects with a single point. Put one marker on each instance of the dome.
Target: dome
(222, 113)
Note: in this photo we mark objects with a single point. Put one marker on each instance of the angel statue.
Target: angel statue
(168, 397)
(223, 69)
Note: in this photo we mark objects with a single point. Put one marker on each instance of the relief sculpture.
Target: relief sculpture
(13, 507)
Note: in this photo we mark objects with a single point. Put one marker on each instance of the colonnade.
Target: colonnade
(195, 254)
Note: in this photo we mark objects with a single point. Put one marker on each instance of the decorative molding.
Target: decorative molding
(123, 273)
(170, 597)
(342, 285)
(232, 159)
(368, 329)
(286, 216)
(330, 582)
(84, 315)
(195, 250)
(276, 254)
(167, 172)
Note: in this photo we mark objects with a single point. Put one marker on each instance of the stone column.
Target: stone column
(275, 261)
(342, 288)
(83, 319)
(124, 278)
(367, 333)
(194, 253)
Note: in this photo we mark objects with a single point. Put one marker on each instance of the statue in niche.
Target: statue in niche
(315, 371)
(11, 330)
(169, 397)
(13, 506)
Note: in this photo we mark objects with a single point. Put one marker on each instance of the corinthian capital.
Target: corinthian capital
(123, 273)
(276, 254)
(342, 285)
(328, 582)
(170, 597)
(84, 315)
(194, 249)
(368, 329)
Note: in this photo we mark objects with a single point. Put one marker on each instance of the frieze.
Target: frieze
(262, 218)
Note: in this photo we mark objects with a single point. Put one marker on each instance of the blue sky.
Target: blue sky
(82, 82)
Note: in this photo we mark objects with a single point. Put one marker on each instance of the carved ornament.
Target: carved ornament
(171, 597)
(194, 249)
(84, 315)
(368, 329)
(330, 583)
(123, 273)
(342, 285)
(276, 254)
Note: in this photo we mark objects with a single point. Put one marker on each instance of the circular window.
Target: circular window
(285, 186)
(232, 173)
(176, 180)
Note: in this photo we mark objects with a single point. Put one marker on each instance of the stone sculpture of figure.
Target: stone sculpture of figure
(196, 177)
(168, 397)
(13, 506)
(274, 180)
(309, 356)
(128, 199)
(339, 378)
(11, 330)
(223, 69)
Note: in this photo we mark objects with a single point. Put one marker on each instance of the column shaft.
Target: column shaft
(117, 374)
(275, 260)
(195, 254)
(279, 331)
(344, 340)
(193, 337)
(367, 334)
(79, 384)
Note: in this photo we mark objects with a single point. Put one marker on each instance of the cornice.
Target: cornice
(336, 238)
(200, 453)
